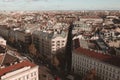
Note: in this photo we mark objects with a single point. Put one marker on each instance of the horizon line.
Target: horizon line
(69, 10)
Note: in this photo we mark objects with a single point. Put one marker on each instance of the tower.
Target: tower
(68, 50)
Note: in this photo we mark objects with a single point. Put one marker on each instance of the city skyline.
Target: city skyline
(59, 5)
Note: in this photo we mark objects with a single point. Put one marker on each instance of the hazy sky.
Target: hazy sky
(59, 4)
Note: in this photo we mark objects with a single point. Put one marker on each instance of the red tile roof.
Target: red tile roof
(15, 67)
(113, 60)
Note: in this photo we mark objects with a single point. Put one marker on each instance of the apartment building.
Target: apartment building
(12, 68)
(107, 67)
(93, 19)
(49, 42)
(81, 26)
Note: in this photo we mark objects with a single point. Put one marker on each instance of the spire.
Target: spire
(68, 51)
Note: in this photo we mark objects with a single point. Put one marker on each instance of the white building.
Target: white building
(91, 19)
(107, 67)
(81, 26)
(2, 41)
(11, 68)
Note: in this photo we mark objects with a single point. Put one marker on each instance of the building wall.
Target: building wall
(22, 74)
(81, 27)
(45, 46)
(2, 41)
(81, 64)
(48, 43)
(49, 46)
(91, 19)
(58, 43)
(117, 52)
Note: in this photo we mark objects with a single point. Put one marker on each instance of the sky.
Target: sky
(59, 4)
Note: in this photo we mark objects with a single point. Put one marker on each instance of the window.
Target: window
(53, 41)
(53, 48)
(58, 41)
(34, 73)
(110, 74)
(118, 77)
(27, 76)
(31, 74)
(106, 73)
(58, 44)
(63, 42)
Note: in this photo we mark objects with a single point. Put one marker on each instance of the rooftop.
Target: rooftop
(92, 17)
(113, 60)
(17, 66)
(8, 58)
(51, 35)
(11, 61)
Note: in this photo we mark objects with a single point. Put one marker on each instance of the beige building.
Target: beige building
(12, 68)
(107, 67)
(89, 19)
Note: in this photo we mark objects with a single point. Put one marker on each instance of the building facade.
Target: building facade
(81, 26)
(48, 43)
(106, 67)
(25, 71)
(91, 19)
(14, 67)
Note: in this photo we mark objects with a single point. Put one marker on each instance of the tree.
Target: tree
(32, 49)
(55, 61)
(91, 75)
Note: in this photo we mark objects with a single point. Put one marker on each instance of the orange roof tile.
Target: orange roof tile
(16, 66)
